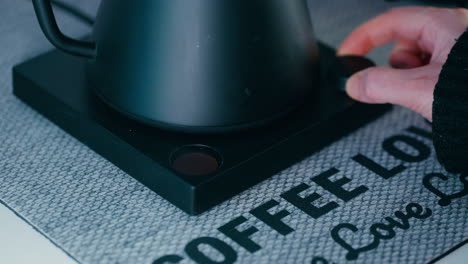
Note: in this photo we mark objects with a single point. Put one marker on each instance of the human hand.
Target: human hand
(424, 37)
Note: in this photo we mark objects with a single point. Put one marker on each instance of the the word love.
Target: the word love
(380, 231)
(445, 198)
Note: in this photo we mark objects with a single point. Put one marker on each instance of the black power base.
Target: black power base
(193, 172)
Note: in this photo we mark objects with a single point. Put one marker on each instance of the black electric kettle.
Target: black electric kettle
(197, 65)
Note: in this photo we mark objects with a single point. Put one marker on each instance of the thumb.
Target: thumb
(411, 88)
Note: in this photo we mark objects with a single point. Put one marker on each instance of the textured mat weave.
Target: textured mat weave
(98, 214)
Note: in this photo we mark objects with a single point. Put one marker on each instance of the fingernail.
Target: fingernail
(342, 52)
(353, 87)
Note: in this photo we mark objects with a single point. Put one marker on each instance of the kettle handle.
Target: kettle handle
(48, 24)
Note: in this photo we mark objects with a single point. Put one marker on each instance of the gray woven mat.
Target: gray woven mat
(98, 214)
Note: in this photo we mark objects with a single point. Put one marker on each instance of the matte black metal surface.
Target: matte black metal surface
(205, 66)
(55, 85)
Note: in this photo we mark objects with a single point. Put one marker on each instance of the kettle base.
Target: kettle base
(193, 172)
(198, 129)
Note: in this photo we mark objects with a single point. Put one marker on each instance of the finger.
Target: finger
(411, 88)
(399, 23)
(406, 54)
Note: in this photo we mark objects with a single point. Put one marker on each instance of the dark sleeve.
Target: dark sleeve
(450, 110)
